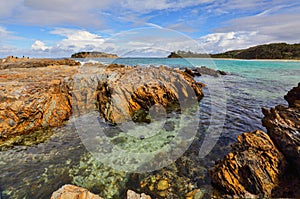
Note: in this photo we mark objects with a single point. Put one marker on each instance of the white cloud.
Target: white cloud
(77, 40)
(221, 42)
(39, 45)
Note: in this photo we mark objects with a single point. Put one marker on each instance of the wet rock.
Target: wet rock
(283, 126)
(73, 192)
(132, 195)
(162, 185)
(293, 97)
(189, 71)
(253, 168)
(195, 194)
(203, 70)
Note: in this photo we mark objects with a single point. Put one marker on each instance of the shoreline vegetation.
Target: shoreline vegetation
(259, 165)
(274, 51)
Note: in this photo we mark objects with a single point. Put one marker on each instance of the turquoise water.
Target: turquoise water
(36, 170)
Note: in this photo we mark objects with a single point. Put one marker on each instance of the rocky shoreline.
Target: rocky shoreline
(259, 162)
(44, 93)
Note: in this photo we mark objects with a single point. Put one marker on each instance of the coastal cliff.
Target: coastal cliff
(93, 55)
(263, 164)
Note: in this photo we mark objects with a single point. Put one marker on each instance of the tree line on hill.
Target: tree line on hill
(265, 51)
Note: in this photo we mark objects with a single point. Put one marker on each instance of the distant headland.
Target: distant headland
(265, 51)
(93, 55)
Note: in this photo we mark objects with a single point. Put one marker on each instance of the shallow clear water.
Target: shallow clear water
(232, 105)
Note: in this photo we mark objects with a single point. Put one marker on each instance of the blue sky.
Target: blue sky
(58, 28)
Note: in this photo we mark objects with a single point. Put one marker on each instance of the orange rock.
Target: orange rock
(35, 98)
(73, 192)
(252, 168)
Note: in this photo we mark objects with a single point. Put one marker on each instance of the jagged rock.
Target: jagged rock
(293, 97)
(129, 94)
(34, 98)
(252, 168)
(93, 55)
(132, 195)
(14, 62)
(283, 125)
(73, 192)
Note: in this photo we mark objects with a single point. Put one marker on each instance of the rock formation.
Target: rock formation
(252, 168)
(14, 62)
(136, 90)
(73, 192)
(261, 164)
(203, 70)
(34, 98)
(93, 55)
(283, 125)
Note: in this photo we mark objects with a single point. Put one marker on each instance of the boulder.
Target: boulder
(73, 192)
(253, 168)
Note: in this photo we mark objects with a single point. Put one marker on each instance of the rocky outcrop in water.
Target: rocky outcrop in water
(131, 93)
(260, 164)
(35, 98)
(93, 55)
(203, 70)
(283, 125)
(252, 168)
(73, 192)
(15, 62)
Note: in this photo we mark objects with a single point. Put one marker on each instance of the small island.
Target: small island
(265, 51)
(93, 55)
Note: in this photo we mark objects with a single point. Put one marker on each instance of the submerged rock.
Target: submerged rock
(283, 125)
(252, 168)
(73, 192)
(132, 195)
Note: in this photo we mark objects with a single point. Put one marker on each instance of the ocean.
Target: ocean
(232, 105)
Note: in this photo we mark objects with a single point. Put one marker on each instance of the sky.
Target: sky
(58, 28)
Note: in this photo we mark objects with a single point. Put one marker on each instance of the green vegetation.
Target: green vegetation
(266, 51)
(189, 54)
